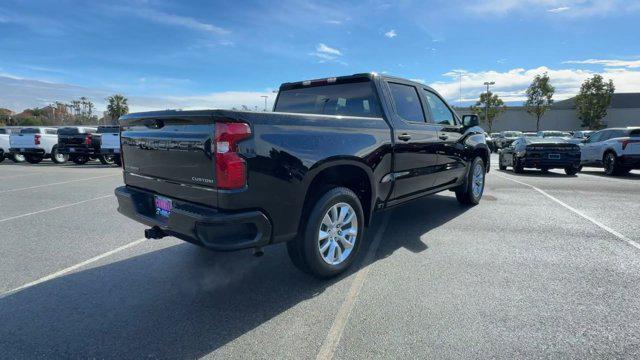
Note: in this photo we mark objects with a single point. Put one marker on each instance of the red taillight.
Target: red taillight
(36, 139)
(627, 142)
(231, 169)
(87, 140)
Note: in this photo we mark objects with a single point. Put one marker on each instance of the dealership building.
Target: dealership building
(624, 111)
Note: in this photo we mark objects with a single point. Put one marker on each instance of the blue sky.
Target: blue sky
(194, 54)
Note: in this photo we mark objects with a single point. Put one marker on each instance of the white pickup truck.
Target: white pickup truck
(4, 146)
(108, 138)
(37, 143)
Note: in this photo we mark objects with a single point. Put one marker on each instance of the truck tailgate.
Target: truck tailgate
(176, 149)
(110, 141)
(22, 141)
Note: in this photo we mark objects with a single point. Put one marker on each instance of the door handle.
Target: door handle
(443, 137)
(404, 137)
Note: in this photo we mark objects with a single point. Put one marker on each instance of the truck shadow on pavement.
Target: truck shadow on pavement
(554, 173)
(600, 173)
(182, 301)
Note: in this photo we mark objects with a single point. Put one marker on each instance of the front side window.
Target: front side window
(440, 113)
(595, 137)
(407, 102)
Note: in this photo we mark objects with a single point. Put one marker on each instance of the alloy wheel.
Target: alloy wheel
(338, 233)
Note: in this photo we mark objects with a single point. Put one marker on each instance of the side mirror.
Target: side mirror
(470, 120)
(584, 141)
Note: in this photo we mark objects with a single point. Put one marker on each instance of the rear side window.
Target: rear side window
(108, 129)
(51, 131)
(68, 131)
(407, 102)
(3, 131)
(617, 134)
(30, 131)
(350, 99)
(634, 133)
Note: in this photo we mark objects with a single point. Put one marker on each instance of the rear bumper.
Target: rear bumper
(109, 151)
(76, 150)
(198, 224)
(545, 162)
(27, 151)
(631, 161)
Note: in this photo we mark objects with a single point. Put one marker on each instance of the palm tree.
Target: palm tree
(117, 107)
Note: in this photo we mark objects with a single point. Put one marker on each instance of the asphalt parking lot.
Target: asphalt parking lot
(547, 265)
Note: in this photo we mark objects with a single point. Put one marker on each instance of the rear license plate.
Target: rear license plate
(163, 206)
(554, 156)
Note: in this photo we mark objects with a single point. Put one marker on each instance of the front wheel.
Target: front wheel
(471, 192)
(58, 158)
(612, 165)
(34, 159)
(107, 159)
(2, 156)
(80, 160)
(517, 166)
(501, 166)
(331, 237)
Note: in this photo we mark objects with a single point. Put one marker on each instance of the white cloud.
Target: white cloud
(421, 81)
(28, 93)
(570, 8)
(607, 62)
(322, 48)
(511, 85)
(328, 54)
(391, 34)
(165, 18)
(559, 9)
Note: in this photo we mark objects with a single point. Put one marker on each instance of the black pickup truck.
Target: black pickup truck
(76, 142)
(312, 173)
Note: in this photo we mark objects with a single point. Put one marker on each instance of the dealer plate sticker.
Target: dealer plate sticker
(163, 206)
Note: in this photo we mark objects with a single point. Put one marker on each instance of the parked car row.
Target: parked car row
(617, 150)
(76, 143)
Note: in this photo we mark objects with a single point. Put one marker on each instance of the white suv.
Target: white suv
(617, 149)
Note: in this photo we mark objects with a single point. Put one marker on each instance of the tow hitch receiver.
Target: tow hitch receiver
(154, 233)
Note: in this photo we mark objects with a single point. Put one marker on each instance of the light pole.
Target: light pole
(486, 102)
(265, 101)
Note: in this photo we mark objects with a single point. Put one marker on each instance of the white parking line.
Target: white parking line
(71, 268)
(54, 208)
(58, 183)
(331, 342)
(578, 212)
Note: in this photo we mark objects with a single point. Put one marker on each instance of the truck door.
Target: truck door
(415, 158)
(450, 151)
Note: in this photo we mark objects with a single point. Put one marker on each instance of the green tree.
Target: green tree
(488, 107)
(593, 100)
(539, 97)
(117, 107)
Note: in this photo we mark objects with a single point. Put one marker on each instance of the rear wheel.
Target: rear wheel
(33, 159)
(17, 158)
(611, 164)
(107, 159)
(571, 170)
(58, 158)
(2, 156)
(517, 166)
(80, 160)
(471, 192)
(117, 161)
(331, 237)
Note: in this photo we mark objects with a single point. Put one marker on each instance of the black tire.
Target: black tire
(500, 165)
(571, 170)
(2, 156)
(17, 158)
(611, 164)
(80, 160)
(33, 159)
(117, 160)
(517, 166)
(58, 158)
(107, 159)
(465, 193)
(304, 251)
